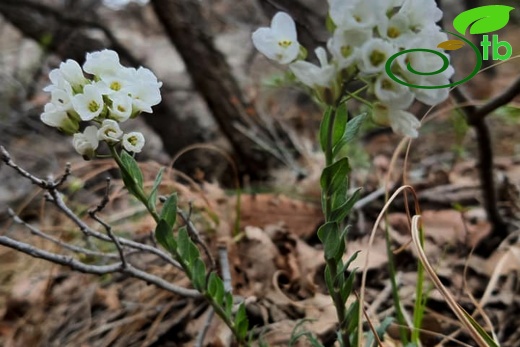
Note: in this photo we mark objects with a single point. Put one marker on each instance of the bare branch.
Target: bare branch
(55, 197)
(224, 266)
(76, 265)
(67, 246)
(502, 99)
(475, 116)
(44, 184)
(108, 228)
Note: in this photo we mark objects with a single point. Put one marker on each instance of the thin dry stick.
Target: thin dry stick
(76, 265)
(108, 228)
(67, 246)
(58, 201)
(370, 243)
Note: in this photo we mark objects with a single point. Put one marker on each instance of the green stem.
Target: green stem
(138, 191)
(420, 298)
(332, 263)
(141, 196)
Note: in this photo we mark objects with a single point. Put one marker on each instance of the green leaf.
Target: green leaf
(324, 126)
(335, 176)
(340, 123)
(241, 322)
(187, 249)
(133, 170)
(153, 194)
(351, 131)
(483, 334)
(482, 19)
(341, 212)
(352, 318)
(164, 235)
(346, 288)
(169, 210)
(349, 261)
(332, 240)
(328, 279)
(228, 303)
(198, 273)
(216, 288)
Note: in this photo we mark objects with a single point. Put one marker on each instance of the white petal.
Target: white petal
(283, 25)
(265, 42)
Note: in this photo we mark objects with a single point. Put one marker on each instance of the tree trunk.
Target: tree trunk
(187, 29)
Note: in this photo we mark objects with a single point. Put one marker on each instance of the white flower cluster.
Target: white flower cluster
(104, 93)
(366, 33)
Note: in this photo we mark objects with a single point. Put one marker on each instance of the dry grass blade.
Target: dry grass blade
(371, 241)
(461, 314)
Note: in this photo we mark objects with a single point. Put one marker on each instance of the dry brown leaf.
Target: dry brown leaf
(377, 256)
(108, 297)
(257, 255)
(301, 218)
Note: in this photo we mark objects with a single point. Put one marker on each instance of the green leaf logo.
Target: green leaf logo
(483, 19)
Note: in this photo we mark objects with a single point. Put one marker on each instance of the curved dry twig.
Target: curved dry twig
(77, 265)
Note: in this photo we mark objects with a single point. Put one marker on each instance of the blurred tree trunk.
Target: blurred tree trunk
(212, 77)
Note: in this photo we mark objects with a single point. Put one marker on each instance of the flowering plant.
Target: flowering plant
(365, 34)
(104, 93)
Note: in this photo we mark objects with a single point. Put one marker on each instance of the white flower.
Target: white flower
(279, 42)
(62, 98)
(396, 29)
(133, 141)
(55, 117)
(109, 131)
(312, 75)
(72, 73)
(57, 81)
(361, 14)
(102, 63)
(89, 104)
(144, 96)
(432, 96)
(144, 75)
(364, 15)
(87, 142)
(391, 93)
(421, 13)
(121, 108)
(117, 82)
(403, 123)
(339, 10)
(374, 54)
(344, 45)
